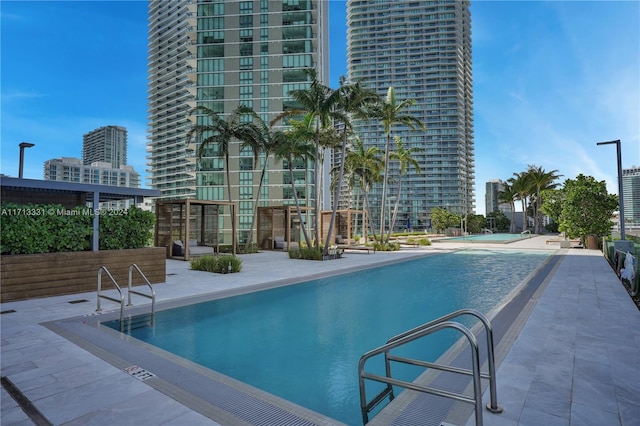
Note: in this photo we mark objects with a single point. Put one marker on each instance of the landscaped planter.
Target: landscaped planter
(26, 276)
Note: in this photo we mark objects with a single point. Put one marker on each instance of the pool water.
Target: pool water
(302, 342)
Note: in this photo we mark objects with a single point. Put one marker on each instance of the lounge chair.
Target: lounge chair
(279, 243)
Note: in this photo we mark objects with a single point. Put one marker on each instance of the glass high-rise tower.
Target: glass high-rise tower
(423, 50)
(221, 54)
(107, 144)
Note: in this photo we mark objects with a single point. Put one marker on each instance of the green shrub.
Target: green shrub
(391, 246)
(126, 231)
(424, 241)
(309, 253)
(52, 228)
(219, 264)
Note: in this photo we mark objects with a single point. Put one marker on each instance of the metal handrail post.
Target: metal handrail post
(115, 283)
(475, 360)
(151, 296)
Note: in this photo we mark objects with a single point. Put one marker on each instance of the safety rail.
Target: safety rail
(526, 232)
(104, 296)
(151, 296)
(422, 331)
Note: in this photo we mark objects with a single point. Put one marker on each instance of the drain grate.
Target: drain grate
(139, 373)
(73, 302)
(8, 311)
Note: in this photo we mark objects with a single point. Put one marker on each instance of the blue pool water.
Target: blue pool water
(302, 342)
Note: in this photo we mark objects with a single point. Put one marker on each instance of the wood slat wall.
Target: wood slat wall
(29, 276)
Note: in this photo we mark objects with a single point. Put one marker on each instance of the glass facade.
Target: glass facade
(423, 50)
(228, 53)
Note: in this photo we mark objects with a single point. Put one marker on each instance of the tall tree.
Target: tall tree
(404, 156)
(539, 181)
(587, 208)
(221, 132)
(291, 149)
(264, 144)
(320, 102)
(391, 112)
(509, 195)
(366, 166)
(353, 101)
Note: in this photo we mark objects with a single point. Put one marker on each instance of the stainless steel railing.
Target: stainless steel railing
(417, 333)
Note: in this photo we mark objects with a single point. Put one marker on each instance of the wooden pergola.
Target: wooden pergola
(281, 223)
(345, 224)
(188, 228)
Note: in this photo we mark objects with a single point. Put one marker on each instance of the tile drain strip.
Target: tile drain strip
(30, 410)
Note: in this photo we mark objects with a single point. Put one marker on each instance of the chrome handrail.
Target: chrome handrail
(120, 300)
(526, 232)
(151, 296)
(421, 331)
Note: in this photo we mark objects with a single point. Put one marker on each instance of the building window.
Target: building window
(246, 63)
(246, 7)
(246, 21)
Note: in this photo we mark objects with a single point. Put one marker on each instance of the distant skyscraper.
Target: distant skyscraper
(423, 50)
(631, 194)
(106, 144)
(69, 169)
(493, 188)
(221, 54)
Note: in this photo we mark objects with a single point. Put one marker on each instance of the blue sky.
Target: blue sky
(551, 79)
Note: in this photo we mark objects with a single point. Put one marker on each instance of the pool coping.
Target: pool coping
(175, 376)
(179, 375)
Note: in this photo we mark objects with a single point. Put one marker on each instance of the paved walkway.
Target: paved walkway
(574, 361)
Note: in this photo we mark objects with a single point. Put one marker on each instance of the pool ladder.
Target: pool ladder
(120, 299)
(417, 333)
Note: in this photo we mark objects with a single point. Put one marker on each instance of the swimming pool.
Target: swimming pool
(303, 342)
(487, 238)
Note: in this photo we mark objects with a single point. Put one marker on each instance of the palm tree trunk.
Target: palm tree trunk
(384, 186)
(336, 196)
(370, 220)
(395, 208)
(358, 208)
(318, 179)
(233, 219)
(255, 207)
(295, 197)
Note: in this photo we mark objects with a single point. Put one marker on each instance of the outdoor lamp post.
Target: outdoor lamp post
(23, 145)
(620, 198)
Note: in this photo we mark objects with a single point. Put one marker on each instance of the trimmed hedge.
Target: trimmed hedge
(219, 264)
(53, 228)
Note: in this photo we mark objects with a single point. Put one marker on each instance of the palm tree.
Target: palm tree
(353, 100)
(366, 165)
(221, 132)
(265, 142)
(508, 195)
(391, 113)
(320, 101)
(540, 180)
(291, 148)
(520, 185)
(404, 157)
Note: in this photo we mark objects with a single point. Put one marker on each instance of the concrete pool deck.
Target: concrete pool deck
(573, 361)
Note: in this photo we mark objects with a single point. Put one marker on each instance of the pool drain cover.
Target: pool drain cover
(139, 373)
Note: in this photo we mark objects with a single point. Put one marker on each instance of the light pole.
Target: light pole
(620, 198)
(23, 145)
